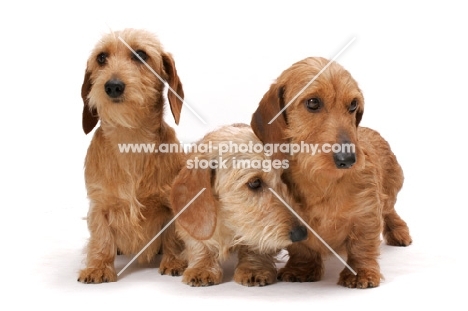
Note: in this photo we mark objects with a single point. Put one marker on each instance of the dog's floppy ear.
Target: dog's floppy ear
(175, 101)
(199, 219)
(270, 105)
(90, 117)
(359, 113)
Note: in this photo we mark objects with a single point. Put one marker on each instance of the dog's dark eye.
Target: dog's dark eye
(142, 55)
(313, 104)
(101, 58)
(255, 184)
(353, 106)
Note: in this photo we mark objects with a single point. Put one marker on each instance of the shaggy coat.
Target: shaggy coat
(129, 192)
(346, 196)
(237, 211)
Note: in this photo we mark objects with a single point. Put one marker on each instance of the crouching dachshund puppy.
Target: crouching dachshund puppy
(237, 211)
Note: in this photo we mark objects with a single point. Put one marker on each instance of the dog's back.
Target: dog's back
(395, 230)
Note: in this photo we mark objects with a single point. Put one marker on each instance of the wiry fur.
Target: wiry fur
(350, 207)
(229, 216)
(129, 192)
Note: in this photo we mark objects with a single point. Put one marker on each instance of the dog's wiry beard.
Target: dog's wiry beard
(113, 119)
(125, 114)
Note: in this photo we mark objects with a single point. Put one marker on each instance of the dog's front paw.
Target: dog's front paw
(97, 275)
(251, 277)
(365, 278)
(174, 267)
(197, 277)
(300, 274)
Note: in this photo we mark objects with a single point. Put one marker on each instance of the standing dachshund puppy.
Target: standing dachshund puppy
(236, 212)
(347, 196)
(129, 192)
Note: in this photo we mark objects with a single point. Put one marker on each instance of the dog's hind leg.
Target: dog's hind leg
(395, 231)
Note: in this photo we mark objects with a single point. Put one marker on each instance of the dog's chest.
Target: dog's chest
(138, 174)
(331, 215)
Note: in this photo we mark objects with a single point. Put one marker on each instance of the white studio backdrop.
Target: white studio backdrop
(409, 58)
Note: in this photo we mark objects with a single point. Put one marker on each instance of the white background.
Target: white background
(409, 58)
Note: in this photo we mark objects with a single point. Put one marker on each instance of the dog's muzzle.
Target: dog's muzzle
(298, 233)
(114, 88)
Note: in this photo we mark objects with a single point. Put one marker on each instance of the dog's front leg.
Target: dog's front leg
(172, 262)
(304, 264)
(363, 248)
(203, 265)
(101, 250)
(254, 269)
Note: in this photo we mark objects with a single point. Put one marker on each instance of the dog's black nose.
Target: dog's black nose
(114, 88)
(344, 159)
(298, 233)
